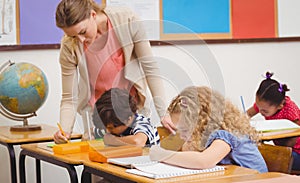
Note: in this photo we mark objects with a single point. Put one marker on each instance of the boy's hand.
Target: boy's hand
(110, 139)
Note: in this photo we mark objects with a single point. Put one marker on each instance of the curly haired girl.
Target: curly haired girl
(214, 130)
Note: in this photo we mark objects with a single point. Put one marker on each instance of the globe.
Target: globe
(23, 90)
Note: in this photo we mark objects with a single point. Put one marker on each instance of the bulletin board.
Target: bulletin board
(222, 19)
(185, 19)
(219, 20)
(254, 19)
(37, 22)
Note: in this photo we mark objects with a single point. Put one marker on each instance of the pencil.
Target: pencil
(243, 104)
(62, 132)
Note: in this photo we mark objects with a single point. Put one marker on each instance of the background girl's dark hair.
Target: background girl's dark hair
(271, 90)
(115, 106)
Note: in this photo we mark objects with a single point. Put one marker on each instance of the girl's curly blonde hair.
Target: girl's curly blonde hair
(205, 111)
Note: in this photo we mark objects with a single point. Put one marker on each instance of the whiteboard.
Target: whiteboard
(288, 18)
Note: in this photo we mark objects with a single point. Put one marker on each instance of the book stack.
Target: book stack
(103, 154)
(76, 147)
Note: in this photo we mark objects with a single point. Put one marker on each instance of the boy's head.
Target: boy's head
(270, 95)
(115, 109)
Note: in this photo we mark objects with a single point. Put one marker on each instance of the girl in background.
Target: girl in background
(272, 103)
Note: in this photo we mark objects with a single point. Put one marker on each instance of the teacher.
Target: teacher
(104, 48)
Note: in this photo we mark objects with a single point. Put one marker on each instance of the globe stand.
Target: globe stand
(19, 117)
(25, 127)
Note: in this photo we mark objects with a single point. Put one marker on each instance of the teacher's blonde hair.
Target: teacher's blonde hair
(71, 12)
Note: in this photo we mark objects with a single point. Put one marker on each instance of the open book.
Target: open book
(273, 125)
(130, 162)
(143, 166)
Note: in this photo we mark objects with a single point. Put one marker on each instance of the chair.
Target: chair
(295, 172)
(163, 132)
(277, 158)
(168, 140)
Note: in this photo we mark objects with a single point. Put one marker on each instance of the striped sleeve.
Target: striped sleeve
(143, 125)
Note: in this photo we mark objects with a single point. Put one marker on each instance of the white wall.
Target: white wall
(237, 67)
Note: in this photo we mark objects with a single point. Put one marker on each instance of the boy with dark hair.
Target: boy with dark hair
(117, 110)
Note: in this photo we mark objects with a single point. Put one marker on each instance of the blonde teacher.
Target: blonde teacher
(104, 47)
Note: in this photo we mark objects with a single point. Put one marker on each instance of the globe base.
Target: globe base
(24, 128)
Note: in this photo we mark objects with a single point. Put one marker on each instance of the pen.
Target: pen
(62, 132)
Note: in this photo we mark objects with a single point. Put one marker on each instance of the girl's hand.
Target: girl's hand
(157, 153)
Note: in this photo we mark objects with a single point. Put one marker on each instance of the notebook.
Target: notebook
(130, 162)
(143, 166)
(161, 170)
(273, 125)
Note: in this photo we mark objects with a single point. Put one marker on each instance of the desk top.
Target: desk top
(45, 134)
(269, 177)
(82, 158)
(231, 174)
(280, 134)
(73, 159)
(230, 171)
(44, 150)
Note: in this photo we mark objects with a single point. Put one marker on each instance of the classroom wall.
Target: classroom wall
(235, 69)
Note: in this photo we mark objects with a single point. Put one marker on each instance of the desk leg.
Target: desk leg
(38, 170)
(86, 176)
(71, 169)
(22, 171)
(12, 157)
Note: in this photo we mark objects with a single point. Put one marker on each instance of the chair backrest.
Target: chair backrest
(162, 132)
(277, 158)
(168, 140)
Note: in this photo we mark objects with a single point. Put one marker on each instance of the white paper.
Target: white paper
(8, 25)
(162, 170)
(148, 12)
(130, 161)
(273, 125)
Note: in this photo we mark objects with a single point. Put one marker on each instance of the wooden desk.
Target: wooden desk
(118, 174)
(10, 138)
(270, 177)
(280, 134)
(40, 151)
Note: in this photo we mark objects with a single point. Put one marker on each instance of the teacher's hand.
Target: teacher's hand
(168, 124)
(59, 138)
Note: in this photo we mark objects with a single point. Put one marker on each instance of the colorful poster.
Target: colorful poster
(254, 19)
